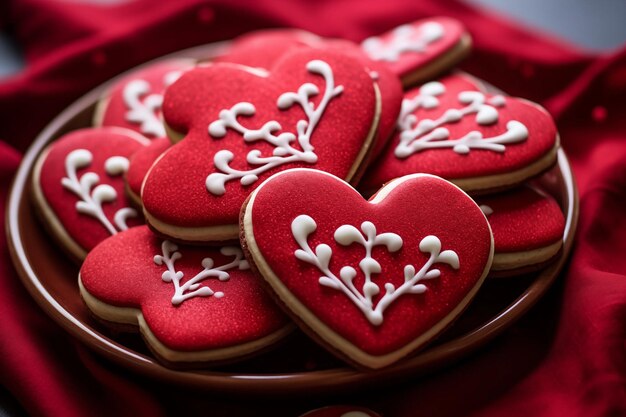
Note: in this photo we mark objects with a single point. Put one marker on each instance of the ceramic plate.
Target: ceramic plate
(296, 365)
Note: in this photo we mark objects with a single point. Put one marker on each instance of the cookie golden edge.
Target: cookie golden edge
(508, 264)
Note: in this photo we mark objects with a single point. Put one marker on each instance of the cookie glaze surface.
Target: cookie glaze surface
(141, 162)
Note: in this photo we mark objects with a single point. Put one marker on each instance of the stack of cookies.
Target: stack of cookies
(218, 205)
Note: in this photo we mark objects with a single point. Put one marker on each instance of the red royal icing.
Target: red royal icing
(102, 144)
(523, 219)
(135, 101)
(263, 48)
(141, 162)
(416, 208)
(408, 48)
(446, 161)
(194, 104)
(389, 86)
(122, 272)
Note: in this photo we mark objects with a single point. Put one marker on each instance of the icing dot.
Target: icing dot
(205, 15)
(116, 165)
(98, 58)
(599, 113)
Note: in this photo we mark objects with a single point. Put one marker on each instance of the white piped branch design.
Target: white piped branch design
(304, 225)
(144, 108)
(417, 135)
(284, 152)
(192, 287)
(405, 38)
(91, 195)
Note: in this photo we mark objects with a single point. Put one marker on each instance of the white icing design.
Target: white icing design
(192, 288)
(303, 225)
(144, 108)
(487, 211)
(91, 200)
(405, 38)
(284, 152)
(417, 135)
(116, 165)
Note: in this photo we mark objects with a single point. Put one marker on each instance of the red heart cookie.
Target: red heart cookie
(422, 49)
(78, 186)
(316, 109)
(372, 280)
(192, 304)
(527, 227)
(135, 101)
(477, 140)
(139, 166)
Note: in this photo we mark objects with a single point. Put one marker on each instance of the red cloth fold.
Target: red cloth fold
(566, 357)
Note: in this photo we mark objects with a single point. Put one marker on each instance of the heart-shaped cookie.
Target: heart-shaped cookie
(316, 109)
(78, 186)
(192, 305)
(422, 49)
(139, 166)
(371, 280)
(527, 227)
(477, 140)
(135, 101)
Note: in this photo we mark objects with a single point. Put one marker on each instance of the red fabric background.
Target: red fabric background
(566, 357)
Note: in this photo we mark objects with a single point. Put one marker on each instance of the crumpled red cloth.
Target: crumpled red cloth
(567, 357)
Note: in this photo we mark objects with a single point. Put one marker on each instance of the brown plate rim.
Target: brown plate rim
(323, 380)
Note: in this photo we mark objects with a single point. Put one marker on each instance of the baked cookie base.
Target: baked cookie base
(519, 263)
(125, 317)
